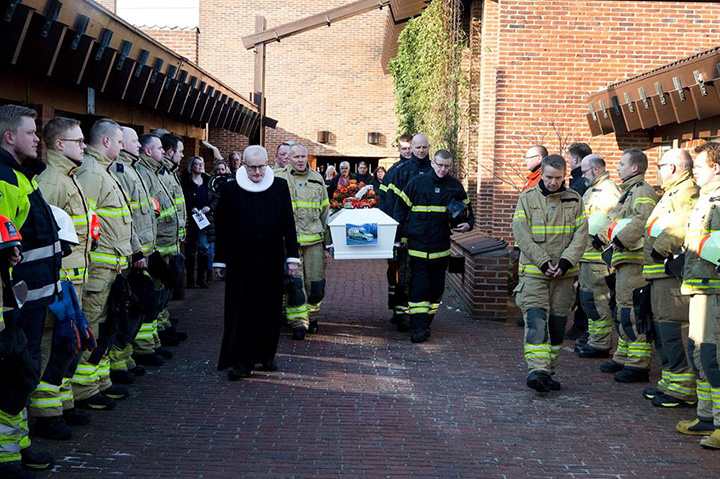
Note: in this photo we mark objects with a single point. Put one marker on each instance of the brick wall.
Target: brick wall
(325, 79)
(183, 41)
(534, 64)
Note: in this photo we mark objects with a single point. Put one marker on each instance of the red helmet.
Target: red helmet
(9, 235)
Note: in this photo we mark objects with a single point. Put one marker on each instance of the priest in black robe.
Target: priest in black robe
(255, 250)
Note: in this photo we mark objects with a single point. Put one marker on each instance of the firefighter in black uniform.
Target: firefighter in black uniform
(399, 176)
(430, 207)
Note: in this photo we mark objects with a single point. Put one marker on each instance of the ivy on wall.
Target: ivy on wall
(427, 75)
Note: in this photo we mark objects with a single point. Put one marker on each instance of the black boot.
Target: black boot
(202, 260)
(121, 376)
(97, 401)
(587, 351)
(14, 470)
(149, 359)
(190, 271)
(611, 367)
(167, 338)
(313, 328)
(53, 428)
(164, 352)
(632, 375)
(539, 381)
(117, 393)
(75, 417)
(298, 334)
(137, 371)
(36, 460)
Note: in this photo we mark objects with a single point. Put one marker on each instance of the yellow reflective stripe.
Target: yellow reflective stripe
(312, 237)
(108, 258)
(627, 255)
(146, 248)
(553, 229)
(113, 212)
(643, 200)
(429, 209)
(519, 214)
(167, 212)
(426, 255)
(317, 205)
(701, 283)
(91, 202)
(73, 274)
(532, 269)
(537, 351)
(595, 256)
(653, 268)
(466, 201)
(383, 188)
(80, 220)
(165, 250)
(404, 197)
(179, 200)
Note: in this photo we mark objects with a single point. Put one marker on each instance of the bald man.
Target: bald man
(663, 238)
(533, 158)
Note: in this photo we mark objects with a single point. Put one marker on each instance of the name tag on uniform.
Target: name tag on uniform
(437, 190)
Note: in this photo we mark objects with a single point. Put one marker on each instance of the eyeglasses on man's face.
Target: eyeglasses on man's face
(255, 168)
(443, 167)
(79, 141)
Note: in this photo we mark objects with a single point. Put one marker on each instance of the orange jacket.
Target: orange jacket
(533, 179)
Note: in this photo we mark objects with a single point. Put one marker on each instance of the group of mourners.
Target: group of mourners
(638, 260)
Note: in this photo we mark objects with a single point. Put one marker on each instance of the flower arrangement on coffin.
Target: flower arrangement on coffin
(347, 197)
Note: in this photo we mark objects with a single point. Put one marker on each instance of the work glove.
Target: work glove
(616, 241)
(545, 267)
(596, 242)
(564, 265)
(657, 256)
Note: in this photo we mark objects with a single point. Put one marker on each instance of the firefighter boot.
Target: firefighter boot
(712, 441)
(202, 261)
(539, 381)
(664, 400)
(75, 417)
(36, 460)
(53, 428)
(632, 375)
(122, 377)
(13, 470)
(117, 393)
(98, 401)
(584, 350)
(696, 427)
(651, 392)
(611, 367)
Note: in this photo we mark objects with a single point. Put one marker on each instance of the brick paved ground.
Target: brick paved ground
(360, 401)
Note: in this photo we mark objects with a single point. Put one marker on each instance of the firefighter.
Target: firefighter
(631, 360)
(152, 170)
(701, 283)
(92, 386)
(173, 147)
(123, 369)
(397, 272)
(311, 208)
(424, 212)
(664, 235)
(551, 231)
(23, 204)
(53, 402)
(417, 165)
(599, 199)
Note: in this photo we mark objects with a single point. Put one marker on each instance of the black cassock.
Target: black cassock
(255, 234)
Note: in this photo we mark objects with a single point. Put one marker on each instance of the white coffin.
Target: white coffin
(355, 236)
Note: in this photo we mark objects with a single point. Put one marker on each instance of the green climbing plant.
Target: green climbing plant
(428, 78)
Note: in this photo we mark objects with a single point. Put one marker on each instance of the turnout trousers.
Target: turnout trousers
(634, 349)
(398, 275)
(54, 393)
(90, 378)
(306, 291)
(595, 300)
(545, 304)
(704, 336)
(670, 320)
(427, 285)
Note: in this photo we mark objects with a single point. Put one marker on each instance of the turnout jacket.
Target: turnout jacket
(310, 203)
(142, 208)
(549, 227)
(107, 198)
(168, 224)
(22, 202)
(404, 172)
(387, 181)
(172, 184)
(699, 275)
(422, 213)
(637, 202)
(600, 197)
(675, 207)
(61, 188)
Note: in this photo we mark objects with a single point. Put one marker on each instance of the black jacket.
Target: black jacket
(386, 182)
(404, 172)
(577, 182)
(422, 213)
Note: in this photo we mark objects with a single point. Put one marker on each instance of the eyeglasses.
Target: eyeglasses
(531, 157)
(255, 168)
(585, 171)
(79, 141)
(660, 165)
(443, 167)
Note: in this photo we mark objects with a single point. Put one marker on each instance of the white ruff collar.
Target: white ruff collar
(248, 185)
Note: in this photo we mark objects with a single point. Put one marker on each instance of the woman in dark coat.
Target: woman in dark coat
(255, 248)
(196, 189)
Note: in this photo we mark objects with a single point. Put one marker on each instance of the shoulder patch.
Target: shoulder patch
(120, 168)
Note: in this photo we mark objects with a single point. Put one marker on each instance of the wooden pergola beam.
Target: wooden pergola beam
(314, 21)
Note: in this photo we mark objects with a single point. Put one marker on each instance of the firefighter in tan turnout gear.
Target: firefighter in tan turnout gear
(551, 232)
(92, 386)
(664, 235)
(631, 361)
(599, 199)
(701, 282)
(311, 207)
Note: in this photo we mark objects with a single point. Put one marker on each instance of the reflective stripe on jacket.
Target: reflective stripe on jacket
(142, 208)
(404, 172)
(600, 197)
(22, 202)
(167, 230)
(423, 215)
(675, 205)
(107, 199)
(549, 228)
(699, 275)
(310, 203)
(637, 202)
(61, 188)
(172, 185)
